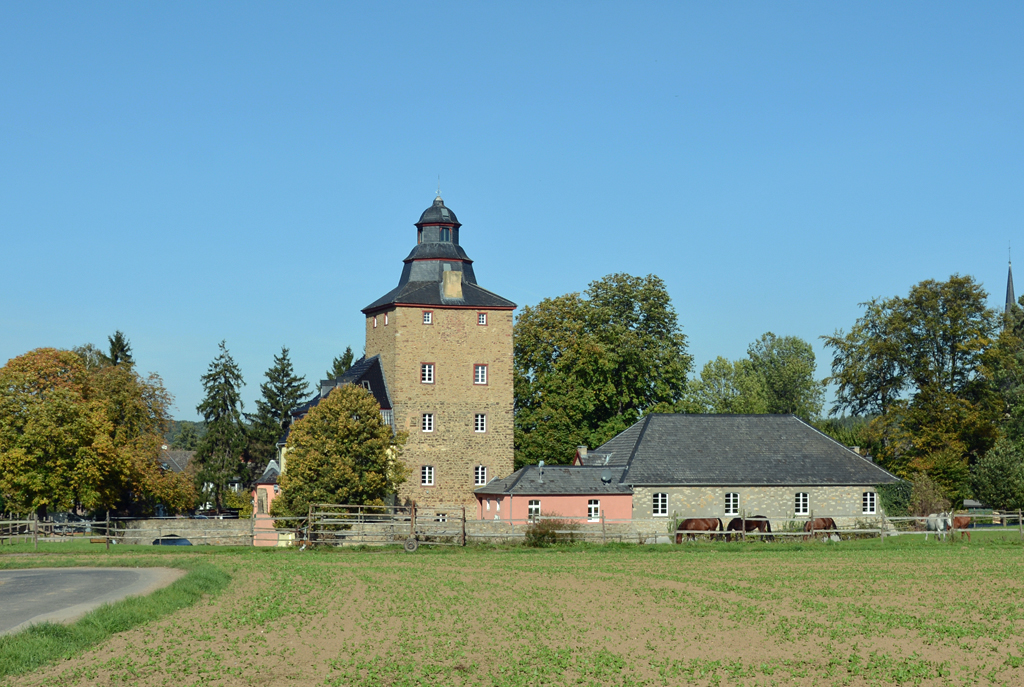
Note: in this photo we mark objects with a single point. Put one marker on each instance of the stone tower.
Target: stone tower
(445, 347)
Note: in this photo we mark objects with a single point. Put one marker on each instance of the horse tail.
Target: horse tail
(721, 525)
(768, 524)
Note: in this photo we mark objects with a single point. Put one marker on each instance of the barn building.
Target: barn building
(576, 493)
(724, 466)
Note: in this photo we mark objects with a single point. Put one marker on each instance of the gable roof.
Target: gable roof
(559, 479)
(176, 461)
(734, 450)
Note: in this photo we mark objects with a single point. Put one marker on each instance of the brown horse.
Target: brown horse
(691, 527)
(758, 522)
(819, 524)
(960, 524)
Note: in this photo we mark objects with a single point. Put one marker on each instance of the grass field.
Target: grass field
(854, 613)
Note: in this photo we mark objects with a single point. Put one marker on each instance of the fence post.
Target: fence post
(1020, 525)
(35, 530)
(812, 524)
(604, 539)
(309, 522)
(107, 533)
(412, 521)
(743, 525)
(463, 525)
(252, 530)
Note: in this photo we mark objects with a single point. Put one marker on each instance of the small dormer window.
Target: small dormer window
(444, 234)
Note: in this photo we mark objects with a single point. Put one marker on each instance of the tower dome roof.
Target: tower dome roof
(438, 213)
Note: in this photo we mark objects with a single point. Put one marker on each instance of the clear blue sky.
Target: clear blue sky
(191, 172)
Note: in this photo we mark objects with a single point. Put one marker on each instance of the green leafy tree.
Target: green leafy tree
(727, 387)
(924, 365)
(280, 394)
(999, 476)
(341, 364)
(588, 366)
(219, 456)
(185, 435)
(340, 452)
(785, 366)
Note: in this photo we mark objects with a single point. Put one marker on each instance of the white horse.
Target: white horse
(939, 523)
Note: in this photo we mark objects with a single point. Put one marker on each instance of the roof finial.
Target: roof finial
(438, 187)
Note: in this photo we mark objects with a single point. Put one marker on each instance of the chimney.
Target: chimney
(581, 454)
(451, 284)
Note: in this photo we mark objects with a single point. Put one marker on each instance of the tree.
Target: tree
(727, 387)
(188, 436)
(999, 476)
(587, 367)
(925, 364)
(785, 367)
(220, 452)
(281, 393)
(340, 452)
(341, 364)
(120, 350)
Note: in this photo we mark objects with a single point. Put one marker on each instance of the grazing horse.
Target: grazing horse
(691, 527)
(819, 524)
(758, 522)
(960, 524)
(939, 523)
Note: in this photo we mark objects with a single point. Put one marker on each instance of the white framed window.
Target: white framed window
(427, 373)
(365, 384)
(659, 504)
(441, 517)
(428, 422)
(868, 500)
(532, 509)
(801, 505)
(387, 417)
(428, 317)
(481, 319)
(479, 374)
(480, 475)
(479, 422)
(427, 475)
(732, 503)
(385, 319)
(593, 510)
(488, 504)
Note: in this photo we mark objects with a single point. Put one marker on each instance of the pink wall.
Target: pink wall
(263, 530)
(614, 506)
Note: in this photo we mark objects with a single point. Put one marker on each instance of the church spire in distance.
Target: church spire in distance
(1010, 300)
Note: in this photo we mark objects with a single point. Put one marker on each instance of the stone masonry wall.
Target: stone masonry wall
(844, 504)
(198, 531)
(454, 343)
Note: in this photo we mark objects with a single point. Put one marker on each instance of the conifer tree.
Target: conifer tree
(341, 364)
(120, 351)
(281, 393)
(220, 452)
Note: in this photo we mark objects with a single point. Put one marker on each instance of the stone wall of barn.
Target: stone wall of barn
(844, 504)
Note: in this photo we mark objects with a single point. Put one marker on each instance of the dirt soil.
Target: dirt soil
(749, 615)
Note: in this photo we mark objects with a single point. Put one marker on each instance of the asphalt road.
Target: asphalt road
(64, 594)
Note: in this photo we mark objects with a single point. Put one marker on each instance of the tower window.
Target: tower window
(427, 475)
(427, 373)
(428, 422)
(444, 233)
(481, 319)
(480, 423)
(479, 374)
(385, 319)
(480, 475)
(374, 321)
(428, 317)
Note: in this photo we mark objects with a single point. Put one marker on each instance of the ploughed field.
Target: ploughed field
(853, 613)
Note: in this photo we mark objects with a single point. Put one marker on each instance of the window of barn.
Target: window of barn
(868, 499)
(732, 503)
(660, 505)
(533, 509)
(593, 510)
(802, 505)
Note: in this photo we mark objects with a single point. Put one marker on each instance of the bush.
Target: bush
(548, 530)
(999, 476)
(896, 498)
(926, 496)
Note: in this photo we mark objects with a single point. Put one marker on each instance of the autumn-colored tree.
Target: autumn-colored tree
(340, 452)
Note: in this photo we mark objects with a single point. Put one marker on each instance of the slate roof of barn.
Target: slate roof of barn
(733, 450)
(558, 479)
(429, 293)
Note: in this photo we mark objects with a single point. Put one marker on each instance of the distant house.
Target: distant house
(729, 465)
(576, 493)
(264, 491)
(175, 461)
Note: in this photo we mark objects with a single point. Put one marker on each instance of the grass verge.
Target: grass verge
(40, 644)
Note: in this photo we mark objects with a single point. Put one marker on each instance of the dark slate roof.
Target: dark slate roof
(176, 461)
(270, 474)
(438, 213)
(438, 250)
(558, 479)
(734, 450)
(367, 370)
(429, 293)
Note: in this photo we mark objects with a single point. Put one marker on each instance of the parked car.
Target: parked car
(172, 540)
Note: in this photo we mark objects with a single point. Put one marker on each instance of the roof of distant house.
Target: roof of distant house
(559, 479)
(733, 450)
(176, 461)
(270, 474)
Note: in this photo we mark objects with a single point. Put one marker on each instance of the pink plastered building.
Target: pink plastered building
(264, 492)
(574, 492)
